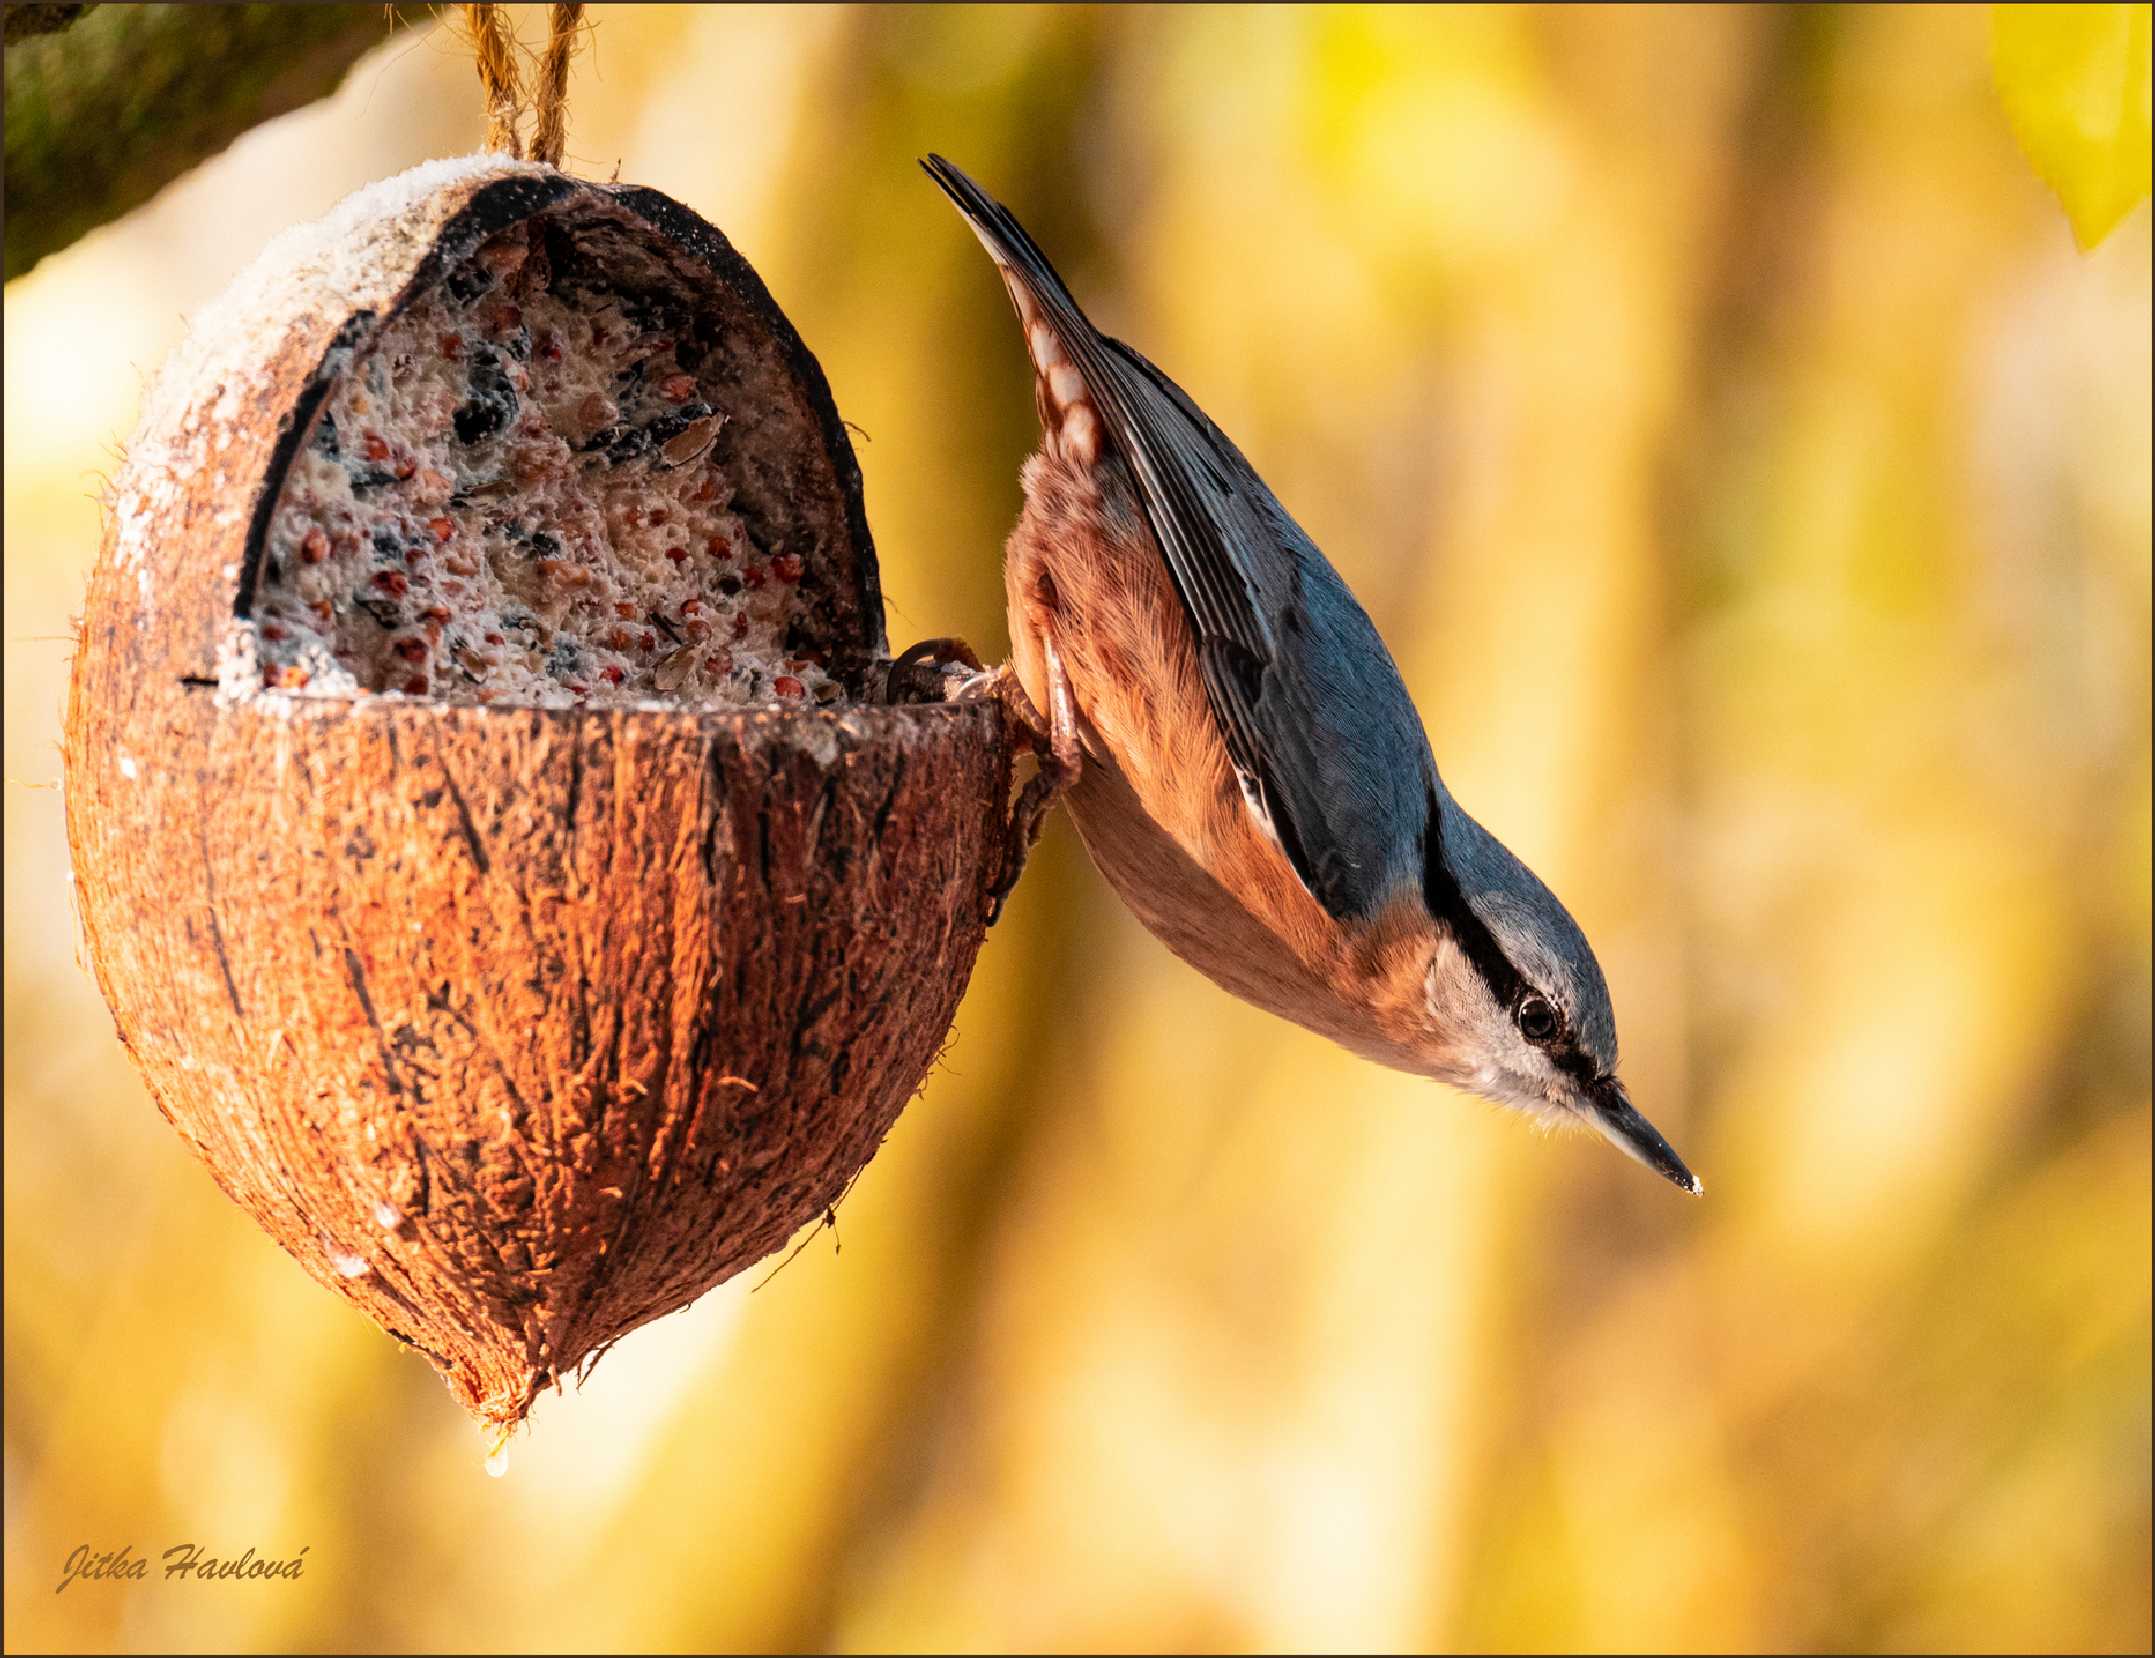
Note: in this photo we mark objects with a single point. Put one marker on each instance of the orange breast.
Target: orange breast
(1158, 802)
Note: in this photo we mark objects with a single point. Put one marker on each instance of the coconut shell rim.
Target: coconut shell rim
(368, 704)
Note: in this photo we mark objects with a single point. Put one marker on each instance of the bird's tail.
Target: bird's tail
(1039, 293)
(1071, 368)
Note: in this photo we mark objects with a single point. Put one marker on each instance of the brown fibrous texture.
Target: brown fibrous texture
(517, 1025)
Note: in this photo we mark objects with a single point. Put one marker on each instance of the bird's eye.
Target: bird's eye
(1537, 1019)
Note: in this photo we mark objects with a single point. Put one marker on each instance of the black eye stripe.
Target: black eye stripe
(1506, 984)
(1449, 906)
(1575, 1064)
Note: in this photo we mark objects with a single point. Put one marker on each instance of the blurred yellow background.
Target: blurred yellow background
(1754, 483)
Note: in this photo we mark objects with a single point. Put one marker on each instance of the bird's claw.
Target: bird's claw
(1054, 742)
(935, 670)
(950, 671)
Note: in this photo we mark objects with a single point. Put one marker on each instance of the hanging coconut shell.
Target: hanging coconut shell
(490, 835)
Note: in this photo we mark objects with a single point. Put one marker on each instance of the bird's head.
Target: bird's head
(1518, 1008)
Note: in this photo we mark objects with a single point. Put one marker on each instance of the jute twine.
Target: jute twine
(495, 49)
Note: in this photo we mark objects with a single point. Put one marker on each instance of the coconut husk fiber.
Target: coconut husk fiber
(518, 1022)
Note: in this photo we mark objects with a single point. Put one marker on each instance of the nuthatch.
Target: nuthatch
(1242, 758)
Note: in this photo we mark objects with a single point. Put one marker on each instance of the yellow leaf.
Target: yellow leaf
(2074, 82)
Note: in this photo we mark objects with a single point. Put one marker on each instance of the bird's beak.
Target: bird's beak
(1617, 1121)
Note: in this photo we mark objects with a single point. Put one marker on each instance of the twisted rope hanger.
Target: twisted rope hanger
(495, 49)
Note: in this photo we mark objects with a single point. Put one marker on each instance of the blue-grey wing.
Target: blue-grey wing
(1314, 715)
(1312, 708)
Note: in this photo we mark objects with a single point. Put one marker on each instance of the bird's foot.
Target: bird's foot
(949, 670)
(1055, 746)
(935, 670)
(1000, 685)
